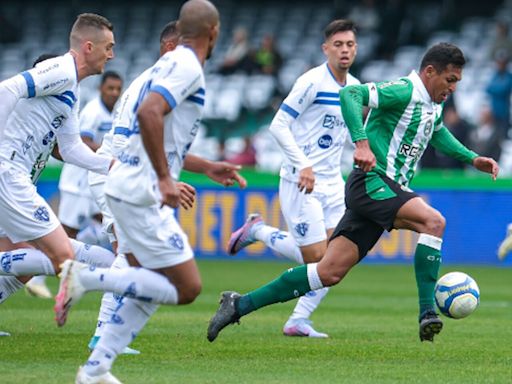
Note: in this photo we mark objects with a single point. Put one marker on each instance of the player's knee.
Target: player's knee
(190, 293)
(436, 224)
(313, 256)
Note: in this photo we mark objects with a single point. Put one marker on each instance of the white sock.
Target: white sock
(119, 332)
(308, 303)
(110, 301)
(92, 254)
(280, 241)
(138, 283)
(25, 262)
(41, 279)
(8, 286)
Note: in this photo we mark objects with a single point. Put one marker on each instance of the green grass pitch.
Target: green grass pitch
(371, 318)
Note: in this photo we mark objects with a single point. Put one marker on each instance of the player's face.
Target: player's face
(340, 49)
(110, 91)
(101, 50)
(440, 85)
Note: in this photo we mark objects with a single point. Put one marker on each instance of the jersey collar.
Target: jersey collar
(418, 84)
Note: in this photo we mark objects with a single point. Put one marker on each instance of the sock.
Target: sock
(41, 279)
(281, 242)
(294, 283)
(427, 260)
(138, 283)
(92, 254)
(308, 303)
(125, 324)
(25, 262)
(110, 301)
(8, 286)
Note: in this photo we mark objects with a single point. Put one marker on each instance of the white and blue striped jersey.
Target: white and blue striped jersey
(317, 125)
(95, 121)
(178, 77)
(48, 108)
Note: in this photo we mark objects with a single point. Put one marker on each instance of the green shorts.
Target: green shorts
(372, 201)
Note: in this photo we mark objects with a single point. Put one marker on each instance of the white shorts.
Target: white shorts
(24, 214)
(151, 233)
(309, 216)
(76, 211)
(98, 193)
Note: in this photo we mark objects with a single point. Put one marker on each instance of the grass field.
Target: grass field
(371, 318)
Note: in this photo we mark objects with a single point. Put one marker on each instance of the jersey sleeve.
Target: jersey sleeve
(444, 141)
(300, 97)
(177, 82)
(50, 77)
(88, 121)
(390, 94)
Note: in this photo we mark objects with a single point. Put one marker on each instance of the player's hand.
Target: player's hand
(187, 194)
(169, 191)
(364, 157)
(306, 180)
(226, 174)
(488, 165)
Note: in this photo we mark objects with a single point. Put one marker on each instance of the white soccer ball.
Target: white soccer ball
(457, 295)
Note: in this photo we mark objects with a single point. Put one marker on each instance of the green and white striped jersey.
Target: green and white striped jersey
(402, 121)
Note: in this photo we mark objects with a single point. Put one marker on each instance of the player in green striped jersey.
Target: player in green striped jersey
(405, 115)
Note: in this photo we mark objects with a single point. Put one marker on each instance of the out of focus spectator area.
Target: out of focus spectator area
(265, 45)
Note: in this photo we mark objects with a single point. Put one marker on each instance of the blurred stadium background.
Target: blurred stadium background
(392, 36)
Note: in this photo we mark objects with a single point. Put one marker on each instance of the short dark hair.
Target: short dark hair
(170, 30)
(43, 57)
(339, 25)
(441, 55)
(110, 75)
(85, 20)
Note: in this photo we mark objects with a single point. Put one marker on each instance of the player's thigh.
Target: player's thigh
(419, 216)
(74, 210)
(24, 214)
(303, 214)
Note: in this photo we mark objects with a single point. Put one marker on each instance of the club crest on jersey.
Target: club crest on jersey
(428, 128)
(42, 214)
(58, 121)
(325, 141)
(176, 241)
(302, 228)
(329, 121)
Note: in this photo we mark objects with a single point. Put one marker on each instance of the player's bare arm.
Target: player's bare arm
(221, 172)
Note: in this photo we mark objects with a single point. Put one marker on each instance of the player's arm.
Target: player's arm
(221, 172)
(300, 97)
(444, 141)
(151, 123)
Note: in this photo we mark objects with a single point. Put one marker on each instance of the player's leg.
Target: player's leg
(418, 216)
(506, 245)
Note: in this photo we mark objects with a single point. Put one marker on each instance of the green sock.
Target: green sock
(427, 261)
(290, 285)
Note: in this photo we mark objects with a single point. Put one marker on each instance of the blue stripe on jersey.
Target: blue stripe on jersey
(328, 94)
(196, 100)
(165, 94)
(88, 134)
(327, 102)
(65, 100)
(292, 112)
(71, 95)
(105, 126)
(31, 87)
(122, 131)
(201, 91)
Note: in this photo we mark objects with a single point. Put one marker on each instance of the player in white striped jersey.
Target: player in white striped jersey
(39, 108)
(77, 208)
(168, 109)
(311, 131)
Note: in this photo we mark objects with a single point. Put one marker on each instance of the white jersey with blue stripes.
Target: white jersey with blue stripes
(178, 77)
(318, 127)
(95, 121)
(49, 107)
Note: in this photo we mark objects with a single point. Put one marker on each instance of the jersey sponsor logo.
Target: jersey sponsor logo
(325, 141)
(42, 214)
(307, 149)
(176, 241)
(390, 83)
(301, 100)
(132, 161)
(27, 144)
(48, 138)
(48, 69)
(58, 121)
(302, 229)
(55, 84)
(277, 235)
(409, 150)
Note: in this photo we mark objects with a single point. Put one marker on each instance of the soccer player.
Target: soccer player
(169, 106)
(311, 132)
(77, 208)
(405, 115)
(506, 245)
(39, 108)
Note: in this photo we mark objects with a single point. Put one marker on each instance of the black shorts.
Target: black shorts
(372, 202)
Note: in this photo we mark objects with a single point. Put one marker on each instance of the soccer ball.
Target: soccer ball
(457, 295)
